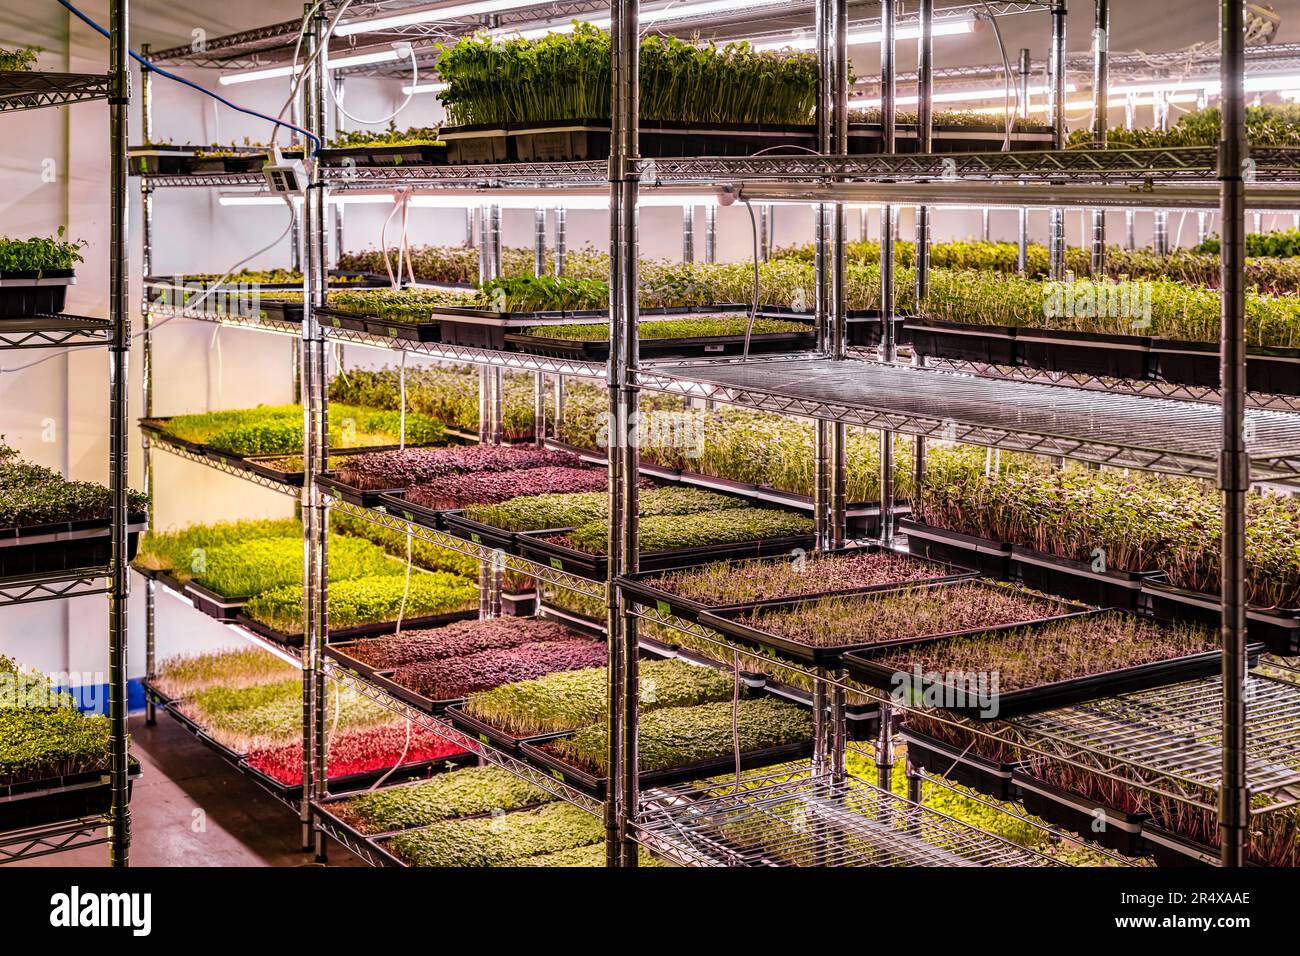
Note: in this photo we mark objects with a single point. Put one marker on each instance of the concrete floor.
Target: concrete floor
(191, 808)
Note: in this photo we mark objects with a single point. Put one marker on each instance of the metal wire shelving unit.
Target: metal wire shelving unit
(36, 90)
(802, 819)
(21, 90)
(1173, 743)
(1167, 742)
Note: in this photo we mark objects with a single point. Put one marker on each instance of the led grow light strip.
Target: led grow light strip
(331, 63)
(336, 199)
(1210, 85)
(435, 15)
(648, 18)
(1114, 103)
(569, 199)
(807, 41)
(425, 88)
(961, 96)
(673, 11)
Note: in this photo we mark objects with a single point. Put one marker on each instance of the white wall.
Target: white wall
(54, 166)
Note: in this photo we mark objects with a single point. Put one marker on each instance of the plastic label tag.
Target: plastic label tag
(663, 607)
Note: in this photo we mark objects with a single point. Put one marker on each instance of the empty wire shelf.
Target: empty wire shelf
(808, 820)
(1128, 431)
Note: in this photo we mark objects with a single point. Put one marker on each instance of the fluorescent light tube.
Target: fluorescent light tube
(808, 41)
(249, 76)
(452, 12)
(408, 89)
(962, 96)
(336, 199)
(274, 72)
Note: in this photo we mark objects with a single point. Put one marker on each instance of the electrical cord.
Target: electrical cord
(395, 281)
(397, 766)
(316, 141)
(415, 76)
(299, 75)
(293, 68)
(401, 416)
(735, 712)
(1007, 85)
(753, 312)
(406, 590)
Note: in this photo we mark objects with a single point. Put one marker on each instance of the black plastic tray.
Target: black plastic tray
(1272, 371)
(968, 769)
(341, 319)
(257, 465)
(1076, 579)
(213, 604)
(470, 327)
(596, 786)
(1062, 693)
(1277, 628)
(63, 546)
(994, 344)
(1114, 829)
(580, 139)
(156, 427)
(160, 159)
(726, 621)
(595, 567)
(476, 532)
(493, 736)
(519, 603)
(1089, 353)
(423, 154)
(62, 798)
(990, 558)
(283, 311)
(700, 346)
(364, 497)
(641, 587)
(384, 680)
(379, 327)
(338, 651)
(41, 297)
(356, 781)
(867, 138)
(1173, 850)
(364, 630)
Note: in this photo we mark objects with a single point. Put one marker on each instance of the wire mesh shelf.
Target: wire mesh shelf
(517, 361)
(54, 838)
(205, 180)
(1123, 386)
(813, 820)
(1186, 165)
(29, 90)
(1166, 741)
(50, 331)
(224, 466)
(232, 320)
(33, 588)
(327, 824)
(1126, 431)
(1175, 733)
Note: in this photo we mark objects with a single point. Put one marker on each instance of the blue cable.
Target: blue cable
(178, 79)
